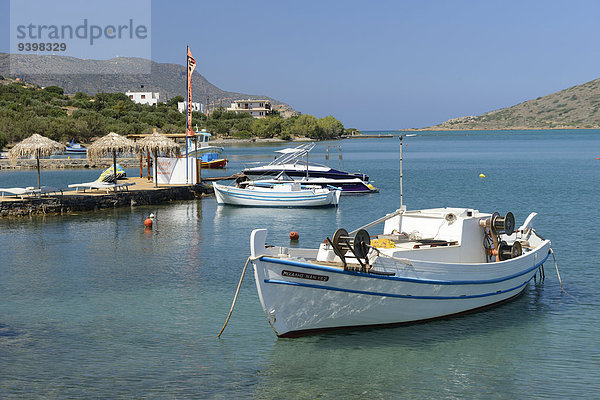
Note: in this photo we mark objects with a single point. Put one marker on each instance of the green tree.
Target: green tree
(267, 127)
(54, 90)
(81, 97)
(242, 135)
(305, 125)
(121, 107)
(330, 127)
(174, 100)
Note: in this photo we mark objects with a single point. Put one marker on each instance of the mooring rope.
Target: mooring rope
(557, 273)
(237, 291)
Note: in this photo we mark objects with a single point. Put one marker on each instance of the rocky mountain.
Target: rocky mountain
(94, 76)
(574, 108)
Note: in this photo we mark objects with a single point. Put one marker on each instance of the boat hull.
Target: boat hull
(268, 198)
(300, 297)
(214, 164)
(70, 150)
(299, 171)
(347, 186)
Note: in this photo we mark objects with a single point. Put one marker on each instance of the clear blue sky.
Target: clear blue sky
(381, 64)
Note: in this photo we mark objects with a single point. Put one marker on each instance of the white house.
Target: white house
(182, 107)
(256, 108)
(150, 98)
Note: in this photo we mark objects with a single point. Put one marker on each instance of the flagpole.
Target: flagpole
(187, 83)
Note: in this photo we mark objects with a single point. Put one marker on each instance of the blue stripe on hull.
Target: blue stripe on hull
(395, 278)
(403, 296)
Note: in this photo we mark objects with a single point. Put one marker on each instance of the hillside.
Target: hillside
(577, 107)
(27, 108)
(97, 76)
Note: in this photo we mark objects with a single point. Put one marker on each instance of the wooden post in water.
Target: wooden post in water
(37, 156)
(155, 175)
(147, 164)
(198, 162)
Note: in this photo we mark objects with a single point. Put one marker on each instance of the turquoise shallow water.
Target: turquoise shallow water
(92, 306)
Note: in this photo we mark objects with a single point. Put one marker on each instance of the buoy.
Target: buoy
(481, 175)
(148, 222)
(294, 235)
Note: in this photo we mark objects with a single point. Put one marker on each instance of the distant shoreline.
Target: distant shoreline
(494, 130)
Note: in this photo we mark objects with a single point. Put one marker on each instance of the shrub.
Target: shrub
(54, 90)
(242, 135)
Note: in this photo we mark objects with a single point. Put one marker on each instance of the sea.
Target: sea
(93, 305)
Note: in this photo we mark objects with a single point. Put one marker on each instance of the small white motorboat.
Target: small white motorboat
(291, 163)
(347, 186)
(291, 194)
(426, 264)
(75, 148)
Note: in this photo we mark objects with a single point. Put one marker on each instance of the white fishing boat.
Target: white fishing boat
(424, 265)
(210, 156)
(291, 194)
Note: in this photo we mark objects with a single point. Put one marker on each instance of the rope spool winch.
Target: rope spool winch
(358, 245)
(507, 251)
(504, 224)
(495, 226)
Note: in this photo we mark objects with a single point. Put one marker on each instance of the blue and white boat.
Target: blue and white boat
(75, 148)
(291, 194)
(293, 162)
(210, 156)
(426, 264)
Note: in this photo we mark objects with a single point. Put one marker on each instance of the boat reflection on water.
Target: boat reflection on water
(280, 220)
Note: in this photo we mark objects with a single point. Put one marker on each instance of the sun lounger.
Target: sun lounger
(21, 192)
(47, 190)
(101, 186)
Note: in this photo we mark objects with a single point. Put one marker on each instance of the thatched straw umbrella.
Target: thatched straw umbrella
(35, 145)
(110, 144)
(158, 143)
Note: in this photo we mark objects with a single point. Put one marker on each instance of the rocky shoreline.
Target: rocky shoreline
(64, 204)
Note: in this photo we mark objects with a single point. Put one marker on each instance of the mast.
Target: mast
(400, 171)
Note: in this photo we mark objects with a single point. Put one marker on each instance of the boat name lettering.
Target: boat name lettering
(304, 275)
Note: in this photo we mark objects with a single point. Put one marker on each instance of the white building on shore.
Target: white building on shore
(150, 98)
(182, 106)
(256, 108)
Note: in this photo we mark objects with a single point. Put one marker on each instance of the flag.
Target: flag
(191, 64)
